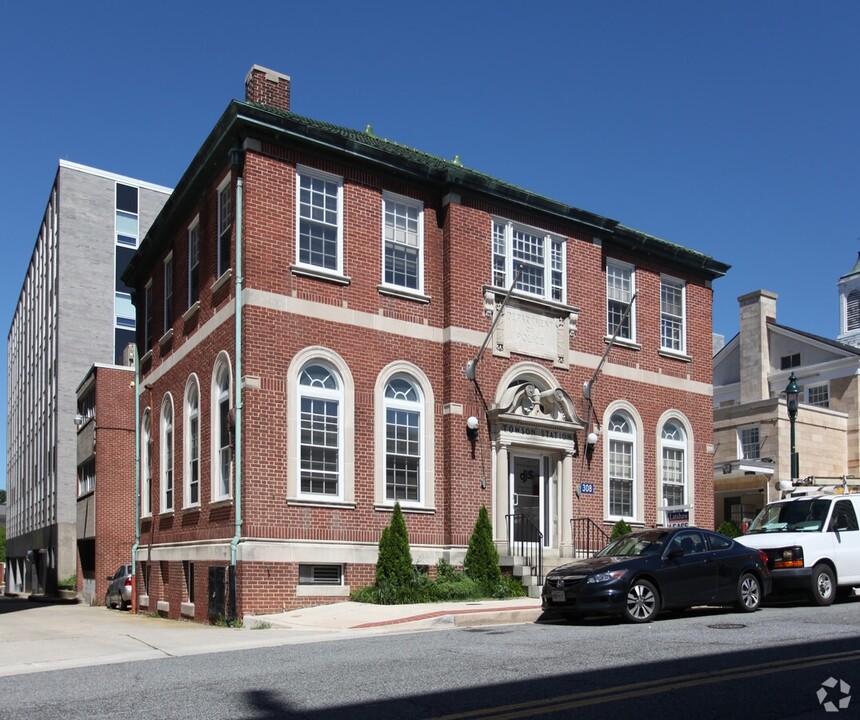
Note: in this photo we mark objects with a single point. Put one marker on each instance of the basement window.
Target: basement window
(320, 575)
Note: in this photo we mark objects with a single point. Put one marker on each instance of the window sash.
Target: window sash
(620, 478)
(193, 265)
(225, 223)
(319, 450)
(402, 243)
(319, 213)
(750, 444)
(540, 255)
(403, 455)
(619, 293)
(674, 486)
(168, 294)
(224, 443)
(672, 315)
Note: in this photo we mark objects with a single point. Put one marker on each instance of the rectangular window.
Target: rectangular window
(127, 219)
(789, 361)
(620, 478)
(87, 477)
(225, 224)
(320, 232)
(320, 575)
(193, 264)
(672, 315)
(168, 293)
(403, 226)
(540, 255)
(402, 455)
(619, 293)
(750, 444)
(194, 459)
(319, 446)
(818, 395)
(224, 444)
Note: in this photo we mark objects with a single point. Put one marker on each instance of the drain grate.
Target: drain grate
(727, 626)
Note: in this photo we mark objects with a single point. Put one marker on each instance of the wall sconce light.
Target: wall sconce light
(79, 420)
(472, 431)
(591, 440)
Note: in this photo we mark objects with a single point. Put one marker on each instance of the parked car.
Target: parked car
(646, 571)
(119, 588)
(812, 543)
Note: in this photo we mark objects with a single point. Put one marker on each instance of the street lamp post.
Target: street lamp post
(791, 393)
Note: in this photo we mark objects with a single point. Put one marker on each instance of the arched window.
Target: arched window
(192, 443)
(673, 447)
(221, 431)
(622, 466)
(320, 432)
(403, 441)
(167, 454)
(146, 465)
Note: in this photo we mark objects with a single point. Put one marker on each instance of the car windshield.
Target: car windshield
(634, 544)
(806, 515)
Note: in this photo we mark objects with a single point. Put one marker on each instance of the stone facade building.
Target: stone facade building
(751, 421)
(327, 327)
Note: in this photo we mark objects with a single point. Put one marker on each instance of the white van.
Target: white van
(812, 543)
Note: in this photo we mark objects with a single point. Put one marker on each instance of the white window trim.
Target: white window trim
(678, 417)
(163, 468)
(222, 265)
(146, 464)
(741, 444)
(668, 279)
(427, 491)
(392, 197)
(167, 299)
(632, 313)
(193, 227)
(222, 361)
(193, 383)
(316, 270)
(347, 429)
(638, 503)
(510, 271)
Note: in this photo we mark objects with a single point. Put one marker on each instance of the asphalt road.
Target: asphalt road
(699, 664)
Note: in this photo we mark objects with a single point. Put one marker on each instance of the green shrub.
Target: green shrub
(482, 558)
(620, 528)
(729, 529)
(70, 583)
(394, 565)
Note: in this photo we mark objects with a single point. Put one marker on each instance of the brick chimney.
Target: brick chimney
(757, 310)
(268, 87)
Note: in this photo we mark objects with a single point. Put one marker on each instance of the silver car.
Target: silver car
(119, 588)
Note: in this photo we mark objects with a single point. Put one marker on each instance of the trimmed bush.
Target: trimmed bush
(620, 528)
(729, 529)
(482, 558)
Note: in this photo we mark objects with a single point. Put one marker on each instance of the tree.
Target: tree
(2, 544)
(482, 558)
(394, 565)
(2, 496)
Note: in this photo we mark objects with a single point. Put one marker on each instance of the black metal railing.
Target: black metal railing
(526, 541)
(587, 537)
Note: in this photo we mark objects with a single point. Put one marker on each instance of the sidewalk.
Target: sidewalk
(37, 637)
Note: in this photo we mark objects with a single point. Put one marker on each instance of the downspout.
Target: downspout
(137, 391)
(237, 162)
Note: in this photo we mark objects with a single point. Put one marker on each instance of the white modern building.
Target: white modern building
(73, 311)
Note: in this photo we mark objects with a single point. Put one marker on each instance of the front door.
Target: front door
(528, 498)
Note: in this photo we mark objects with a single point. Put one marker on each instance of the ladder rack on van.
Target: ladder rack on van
(817, 485)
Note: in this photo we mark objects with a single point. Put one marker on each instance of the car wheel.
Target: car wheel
(642, 602)
(749, 593)
(123, 604)
(107, 601)
(823, 585)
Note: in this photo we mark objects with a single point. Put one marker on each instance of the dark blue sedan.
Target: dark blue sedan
(646, 571)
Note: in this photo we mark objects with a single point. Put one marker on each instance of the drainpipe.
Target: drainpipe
(137, 392)
(236, 161)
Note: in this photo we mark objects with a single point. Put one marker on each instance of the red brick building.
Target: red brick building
(105, 492)
(308, 301)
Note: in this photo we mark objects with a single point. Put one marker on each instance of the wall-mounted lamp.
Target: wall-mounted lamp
(472, 429)
(79, 420)
(591, 440)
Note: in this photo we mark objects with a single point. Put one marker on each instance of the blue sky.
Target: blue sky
(730, 128)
